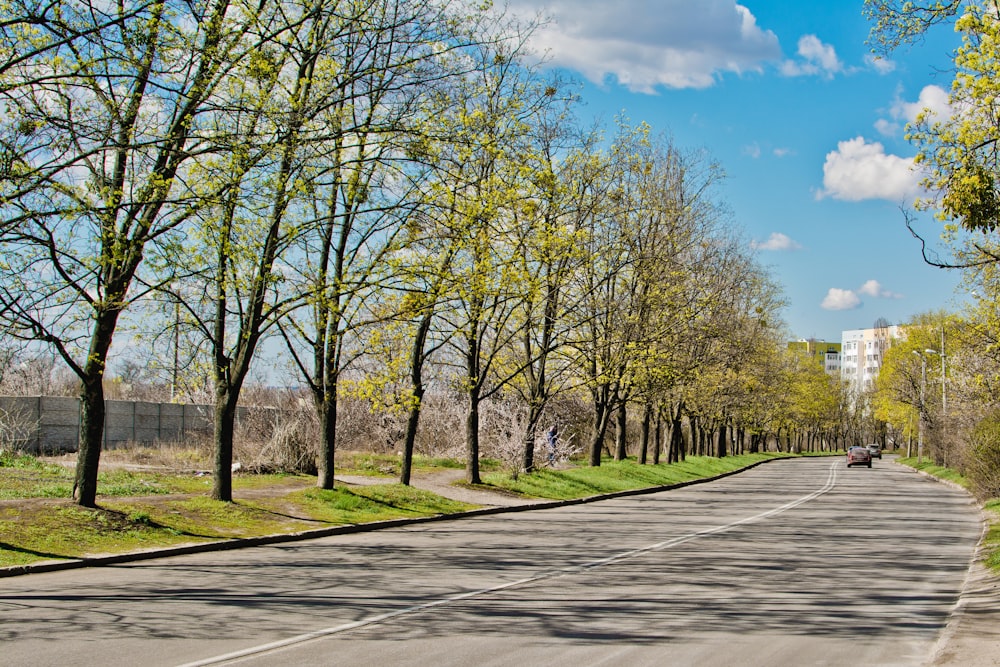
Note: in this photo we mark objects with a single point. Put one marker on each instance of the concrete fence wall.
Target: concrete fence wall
(52, 423)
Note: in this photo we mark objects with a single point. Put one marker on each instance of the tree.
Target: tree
(907, 397)
(258, 197)
(648, 247)
(386, 65)
(958, 152)
(561, 196)
(899, 22)
(814, 399)
(102, 111)
(478, 181)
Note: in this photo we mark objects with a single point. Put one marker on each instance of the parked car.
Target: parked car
(875, 450)
(859, 456)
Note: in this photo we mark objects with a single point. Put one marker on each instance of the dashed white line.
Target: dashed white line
(541, 576)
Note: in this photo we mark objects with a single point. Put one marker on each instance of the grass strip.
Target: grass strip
(615, 476)
(142, 511)
(37, 532)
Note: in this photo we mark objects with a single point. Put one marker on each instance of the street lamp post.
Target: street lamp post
(922, 412)
(944, 389)
(920, 408)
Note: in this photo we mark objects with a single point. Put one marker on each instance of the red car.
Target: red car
(859, 456)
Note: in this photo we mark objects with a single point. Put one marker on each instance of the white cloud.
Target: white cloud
(859, 170)
(840, 299)
(776, 241)
(846, 299)
(874, 288)
(880, 65)
(755, 151)
(680, 44)
(815, 58)
(887, 128)
(933, 98)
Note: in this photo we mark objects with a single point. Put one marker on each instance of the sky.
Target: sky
(807, 124)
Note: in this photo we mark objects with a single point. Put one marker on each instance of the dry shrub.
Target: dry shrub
(269, 440)
(503, 427)
(441, 432)
(360, 427)
(17, 429)
(574, 416)
(22, 374)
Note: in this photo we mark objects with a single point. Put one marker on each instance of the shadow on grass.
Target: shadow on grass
(139, 520)
(276, 513)
(31, 552)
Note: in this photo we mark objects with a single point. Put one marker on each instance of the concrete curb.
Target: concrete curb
(348, 529)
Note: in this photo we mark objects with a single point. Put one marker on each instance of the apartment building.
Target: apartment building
(826, 353)
(862, 351)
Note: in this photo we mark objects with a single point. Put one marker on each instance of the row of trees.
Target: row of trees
(389, 187)
(936, 392)
(395, 195)
(956, 400)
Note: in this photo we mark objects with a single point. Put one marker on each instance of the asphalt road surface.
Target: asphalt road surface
(796, 562)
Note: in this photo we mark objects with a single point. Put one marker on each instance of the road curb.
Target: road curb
(348, 529)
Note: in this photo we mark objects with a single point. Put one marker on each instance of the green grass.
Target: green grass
(992, 543)
(380, 502)
(927, 465)
(69, 531)
(9, 459)
(46, 532)
(137, 513)
(388, 465)
(43, 480)
(613, 476)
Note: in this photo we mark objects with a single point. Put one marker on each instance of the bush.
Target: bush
(271, 440)
(983, 462)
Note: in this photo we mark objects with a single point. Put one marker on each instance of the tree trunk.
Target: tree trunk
(417, 357)
(647, 417)
(530, 434)
(327, 410)
(658, 436)
(92, 407)
(721, 450)
(472, 438)
(412, 422)
(225, 425)
(602, 415)
(91, 435)
(676, 447)
(621, 436)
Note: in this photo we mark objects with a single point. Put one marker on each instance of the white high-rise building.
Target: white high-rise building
(861, 353)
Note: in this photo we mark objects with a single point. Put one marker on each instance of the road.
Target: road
(796, 562)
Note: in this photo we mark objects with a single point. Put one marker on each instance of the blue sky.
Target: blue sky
(807, 125)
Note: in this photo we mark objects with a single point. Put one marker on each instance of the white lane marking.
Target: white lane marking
(541, 576)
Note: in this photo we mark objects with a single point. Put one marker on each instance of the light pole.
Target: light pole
(920, 408)
(922, 412)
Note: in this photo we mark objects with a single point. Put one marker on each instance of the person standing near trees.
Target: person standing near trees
(552, 438)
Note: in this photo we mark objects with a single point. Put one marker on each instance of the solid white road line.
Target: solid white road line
(541, 576)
